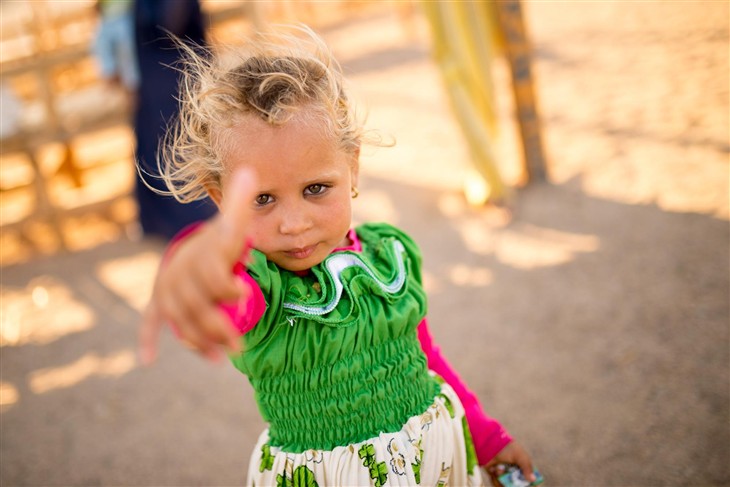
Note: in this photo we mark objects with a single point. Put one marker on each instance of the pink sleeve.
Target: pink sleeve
(248, 311)
(487, 433)
(245, 313)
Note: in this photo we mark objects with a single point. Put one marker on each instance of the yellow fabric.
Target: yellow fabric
(465, 40)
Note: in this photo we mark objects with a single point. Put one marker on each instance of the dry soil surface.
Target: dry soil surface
(591, 318)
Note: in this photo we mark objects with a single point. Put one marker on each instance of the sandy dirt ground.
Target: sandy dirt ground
(591, 317)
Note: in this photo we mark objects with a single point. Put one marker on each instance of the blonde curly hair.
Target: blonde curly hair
(274, 76)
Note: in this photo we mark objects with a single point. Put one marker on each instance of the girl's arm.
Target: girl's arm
(487, 433)
(492, 443)
(195, 276)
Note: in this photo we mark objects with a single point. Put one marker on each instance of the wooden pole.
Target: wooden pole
(519, 56)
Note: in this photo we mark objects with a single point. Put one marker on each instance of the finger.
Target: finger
(528, 472)
(492, 478)
(201, 258)
(203, 297)
(236, 211)
(218, 282)
(211, 326)
(495, 468)
(525, 463)
(195, 340)
(197, 343)
(225, 333)
(178, 307)
(149, 334)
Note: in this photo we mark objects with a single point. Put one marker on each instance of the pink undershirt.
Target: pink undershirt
(487, 433)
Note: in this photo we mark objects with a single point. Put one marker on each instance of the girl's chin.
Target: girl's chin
(299, 262)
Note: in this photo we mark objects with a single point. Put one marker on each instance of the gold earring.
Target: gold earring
(355, 192)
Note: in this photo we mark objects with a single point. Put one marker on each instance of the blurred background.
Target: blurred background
(563, 165)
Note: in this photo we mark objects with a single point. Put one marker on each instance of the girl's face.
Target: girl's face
(302, 210)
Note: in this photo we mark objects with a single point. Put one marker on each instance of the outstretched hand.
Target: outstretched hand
(197, 275)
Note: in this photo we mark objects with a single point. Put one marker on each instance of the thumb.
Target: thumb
(235, 218)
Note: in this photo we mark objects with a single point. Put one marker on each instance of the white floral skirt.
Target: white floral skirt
(432, 449)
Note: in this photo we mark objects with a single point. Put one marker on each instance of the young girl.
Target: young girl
(327, 321)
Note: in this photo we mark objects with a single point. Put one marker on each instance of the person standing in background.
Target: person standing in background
(154, 23)
(114, 45)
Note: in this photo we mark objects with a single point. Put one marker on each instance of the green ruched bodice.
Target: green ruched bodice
(335, 359)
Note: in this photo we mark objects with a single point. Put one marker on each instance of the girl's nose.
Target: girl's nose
(294, 222)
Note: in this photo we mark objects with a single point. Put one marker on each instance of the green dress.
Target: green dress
(337, 369)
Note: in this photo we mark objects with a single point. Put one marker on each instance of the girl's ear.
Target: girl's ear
(215, 194)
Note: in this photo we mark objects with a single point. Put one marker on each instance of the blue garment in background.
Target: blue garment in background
(114, 43)
(157, 105)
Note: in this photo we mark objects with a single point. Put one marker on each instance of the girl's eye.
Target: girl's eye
(316, 189)
(263, 199)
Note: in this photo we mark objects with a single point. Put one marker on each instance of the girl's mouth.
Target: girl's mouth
(301, 253)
